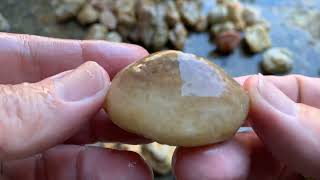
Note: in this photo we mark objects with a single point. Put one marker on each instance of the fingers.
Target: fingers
(35, 117)
(222, 161)
(26, 58)
(76, 162)
(290, 130)
(243, 157)
(101, 128)
(300, 89)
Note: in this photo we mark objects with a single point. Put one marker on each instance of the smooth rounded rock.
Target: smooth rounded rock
(177, 99)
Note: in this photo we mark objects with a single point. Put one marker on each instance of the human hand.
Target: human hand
(285, 143)
(52, 110)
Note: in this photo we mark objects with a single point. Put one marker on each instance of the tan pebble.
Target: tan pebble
(172, 13)
(251, 16)
(103, 4)
(177, 99)
(235, 15)
(178, 36)
(257, 38)
(277, 61)
(159, 156)
(96, 32)
(227, 2)
(202, 24)
(190, 11)
(219, 14)
(87, 15)
(114, 37)
(67, 11)
(108, 19)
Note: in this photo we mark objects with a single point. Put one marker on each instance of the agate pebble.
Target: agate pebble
(177, 99)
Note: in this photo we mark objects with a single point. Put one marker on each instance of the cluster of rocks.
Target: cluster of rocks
(4, 24)
(162, 24)
(155, 24)
(229, 18)
(158, 156)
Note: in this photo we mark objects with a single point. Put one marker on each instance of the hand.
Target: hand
(285, 116)
(61, 104)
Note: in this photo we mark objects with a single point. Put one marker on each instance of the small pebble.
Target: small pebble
(257, 38)
(160, 37)
(190, 11)
(103, 4)
(235, 15)
(177, 99)
(172, 14)
(250, 16)
(114, 37)
(67, 11)
(4, 24)
(277, 61)
(218, 14)
(202, 24)
(159, 156)
(216, 29)
(178, 36)
(227, 41)
(108, 19)
(227, 2)
(87, 15)
(96, 32)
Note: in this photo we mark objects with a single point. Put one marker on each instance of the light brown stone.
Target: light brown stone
(96, 32)
(257, 38)
(177, 99)
(108, 19)
(87, 15)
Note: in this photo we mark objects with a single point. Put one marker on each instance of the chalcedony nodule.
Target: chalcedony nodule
(177, 99)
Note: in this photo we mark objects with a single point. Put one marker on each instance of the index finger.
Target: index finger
(28, 58)
(301, 89)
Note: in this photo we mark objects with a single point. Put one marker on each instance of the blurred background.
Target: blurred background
(244, 37)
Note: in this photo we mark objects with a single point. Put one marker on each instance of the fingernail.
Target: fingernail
(84, 82)
(275, 97)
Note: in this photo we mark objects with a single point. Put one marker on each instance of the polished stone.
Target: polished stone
(178, 99)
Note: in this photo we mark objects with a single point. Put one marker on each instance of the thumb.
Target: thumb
(289, 130)
(35, 117)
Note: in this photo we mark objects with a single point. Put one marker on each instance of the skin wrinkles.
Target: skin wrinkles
(28, 61)
(25, 131)
(28, 56)
(18, 121)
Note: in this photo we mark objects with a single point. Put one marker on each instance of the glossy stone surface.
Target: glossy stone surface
(177, 99)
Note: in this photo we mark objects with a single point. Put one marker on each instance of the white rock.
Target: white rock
(277, 61)
(114, 37)
(257, 38)
(218, 14)
(4, 25)
(88, 15)
(96, 32)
